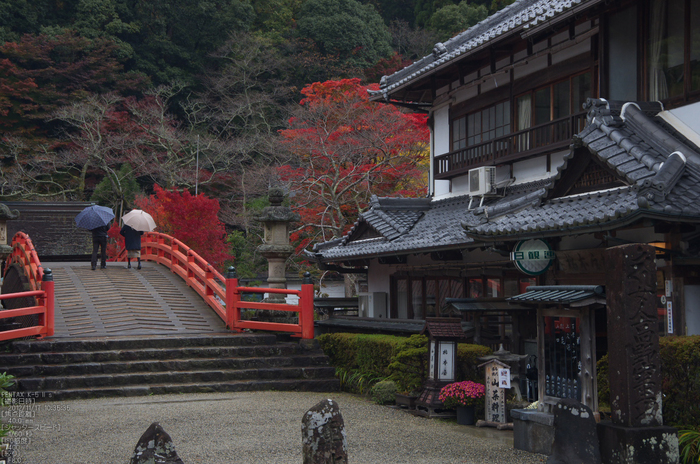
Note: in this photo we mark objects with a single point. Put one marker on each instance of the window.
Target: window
(673, 48)
(553, 102)
(481, 126)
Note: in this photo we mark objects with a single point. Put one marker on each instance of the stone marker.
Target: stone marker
(636, 433)
(575, 436)
(155, 447)
(323, 435)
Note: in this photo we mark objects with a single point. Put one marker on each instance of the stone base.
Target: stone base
(637, 445)
(533, 431)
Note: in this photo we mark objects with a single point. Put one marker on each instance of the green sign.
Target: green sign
(532, 257)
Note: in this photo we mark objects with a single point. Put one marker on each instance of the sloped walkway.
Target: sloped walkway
(117, 301)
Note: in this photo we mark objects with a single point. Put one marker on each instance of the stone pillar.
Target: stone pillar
(276, 249)
(636, 433)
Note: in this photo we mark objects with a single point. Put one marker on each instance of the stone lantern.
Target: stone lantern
(5, 214)
(276, 249)
(443, 335)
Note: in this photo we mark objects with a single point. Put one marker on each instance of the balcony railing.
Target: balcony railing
(553, 135)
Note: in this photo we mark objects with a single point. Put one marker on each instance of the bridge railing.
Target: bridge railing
(223, 294)
(41, 285)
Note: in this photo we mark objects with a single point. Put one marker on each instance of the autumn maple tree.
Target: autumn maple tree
(192, 219)
(344, 148)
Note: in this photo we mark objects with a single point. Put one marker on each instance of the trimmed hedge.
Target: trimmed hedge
(680, 371)
(401, 359)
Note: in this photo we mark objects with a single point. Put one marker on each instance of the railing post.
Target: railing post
(233, 312)
(47, 285)
(306, 304)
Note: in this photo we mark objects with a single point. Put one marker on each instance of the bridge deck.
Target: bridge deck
(120, 301)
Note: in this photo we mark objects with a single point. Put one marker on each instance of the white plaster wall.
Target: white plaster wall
(465, 94)
(530, 169)
(556, 160)
(530, 66)
(378, 277)
(460, 185)
(692, 309)
(441, 145)
(441, 133)
(570, 52)
(685, 119)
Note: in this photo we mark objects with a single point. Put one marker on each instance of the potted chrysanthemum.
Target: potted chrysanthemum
(463, 397)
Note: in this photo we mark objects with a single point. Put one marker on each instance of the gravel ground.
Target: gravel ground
(253, 427)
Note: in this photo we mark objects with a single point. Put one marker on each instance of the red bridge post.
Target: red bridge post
(306, 304)
(233, 312)
(47, 285)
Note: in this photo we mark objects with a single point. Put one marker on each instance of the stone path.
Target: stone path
(254, 427)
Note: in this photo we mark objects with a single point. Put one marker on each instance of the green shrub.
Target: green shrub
(364, 359)
(689, 444)
(680, 371)
(410, 364)
(384, 392)
(6, 381)
(467, 362)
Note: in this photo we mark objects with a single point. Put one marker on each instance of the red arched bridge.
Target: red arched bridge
(175, 292)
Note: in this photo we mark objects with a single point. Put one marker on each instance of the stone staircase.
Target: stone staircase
(62, 369)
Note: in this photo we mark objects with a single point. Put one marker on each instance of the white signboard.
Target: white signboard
(669, 316)
(504, 377)
(446, 371)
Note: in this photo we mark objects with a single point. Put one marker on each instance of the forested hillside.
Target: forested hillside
(102, 99)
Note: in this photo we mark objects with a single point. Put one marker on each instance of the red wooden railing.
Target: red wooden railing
(223, 294)
(41, 288)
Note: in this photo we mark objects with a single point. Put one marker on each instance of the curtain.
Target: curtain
(524, 121)
(658, 89)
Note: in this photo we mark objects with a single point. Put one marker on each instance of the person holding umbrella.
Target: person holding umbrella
(96, 219)
(99, 240)
(132, 243)
(136, 222)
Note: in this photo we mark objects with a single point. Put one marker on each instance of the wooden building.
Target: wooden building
(559, 129)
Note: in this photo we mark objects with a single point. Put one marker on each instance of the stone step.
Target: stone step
(170, 364)
(70, 357)
(130, 343)
(143, 365)
(315, 385)
(39, 384)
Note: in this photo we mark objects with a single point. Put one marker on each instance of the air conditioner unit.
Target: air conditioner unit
(482, 181)
(372, 304)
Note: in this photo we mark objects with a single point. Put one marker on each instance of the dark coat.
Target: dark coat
(99, 232)
(132, 238)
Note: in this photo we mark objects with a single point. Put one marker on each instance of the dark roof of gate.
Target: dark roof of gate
(560, 294)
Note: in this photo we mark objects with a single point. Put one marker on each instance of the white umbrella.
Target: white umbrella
(139, 220)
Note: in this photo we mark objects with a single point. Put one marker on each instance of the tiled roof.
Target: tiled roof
(661, 173)
(521, 15)
(662, 176)
(437, 227)
(443, 327)
(560, 294)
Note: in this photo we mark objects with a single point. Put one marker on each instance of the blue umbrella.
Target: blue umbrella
(94, 216)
